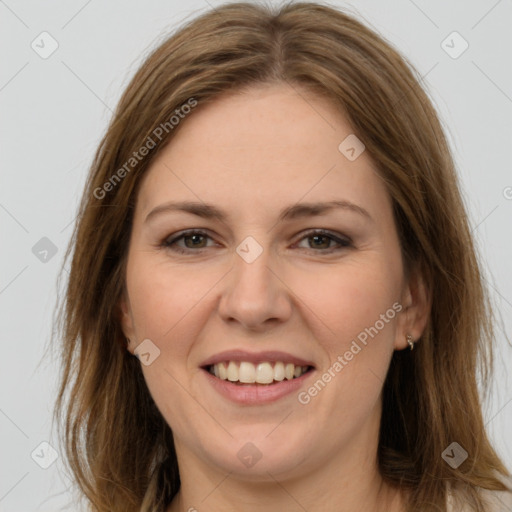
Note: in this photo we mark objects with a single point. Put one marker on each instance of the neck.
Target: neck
(230, 495)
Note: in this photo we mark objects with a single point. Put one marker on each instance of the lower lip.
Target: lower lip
(256, 394)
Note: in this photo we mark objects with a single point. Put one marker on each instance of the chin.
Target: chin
(252, 454)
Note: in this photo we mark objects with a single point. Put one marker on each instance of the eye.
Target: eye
(321, 237)
(195, 241)
(196, 238)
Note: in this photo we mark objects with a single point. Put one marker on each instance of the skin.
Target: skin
(252, 153)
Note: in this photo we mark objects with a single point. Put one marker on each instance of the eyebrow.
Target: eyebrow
(296, 211)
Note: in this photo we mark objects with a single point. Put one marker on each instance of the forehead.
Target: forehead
(261, 147)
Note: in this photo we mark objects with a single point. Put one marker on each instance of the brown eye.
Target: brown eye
(322, 240)
(194, 240)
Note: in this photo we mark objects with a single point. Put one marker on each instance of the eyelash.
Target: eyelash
(170, 244)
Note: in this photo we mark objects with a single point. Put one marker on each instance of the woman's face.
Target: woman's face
(258, 290)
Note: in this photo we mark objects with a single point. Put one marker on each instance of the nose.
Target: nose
(254, 294)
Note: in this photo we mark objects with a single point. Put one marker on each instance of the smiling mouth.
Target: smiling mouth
(265, 373)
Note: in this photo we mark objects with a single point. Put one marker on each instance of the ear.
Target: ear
(126, 322)
(416, 302)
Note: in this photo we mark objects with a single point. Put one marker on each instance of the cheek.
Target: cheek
(354, 323)
(358, 311)
(349, 300)
(163, 297)
(167, 303)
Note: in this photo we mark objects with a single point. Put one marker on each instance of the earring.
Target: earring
(410, 341)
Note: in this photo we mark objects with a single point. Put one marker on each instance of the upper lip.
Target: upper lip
(255, 357)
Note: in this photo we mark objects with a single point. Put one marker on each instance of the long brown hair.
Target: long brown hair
(119, 448)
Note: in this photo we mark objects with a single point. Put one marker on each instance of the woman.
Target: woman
(271, 225)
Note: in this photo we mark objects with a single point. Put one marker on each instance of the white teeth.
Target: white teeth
(232, 371)
(246, 373)
(263, 373)
(223, 373)
(279, 371)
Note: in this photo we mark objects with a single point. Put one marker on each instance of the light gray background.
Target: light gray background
(54, 111)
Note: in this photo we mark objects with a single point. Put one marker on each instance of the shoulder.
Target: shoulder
(495, 501)
(498, 501)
